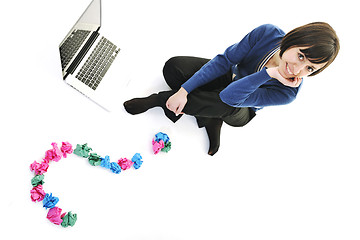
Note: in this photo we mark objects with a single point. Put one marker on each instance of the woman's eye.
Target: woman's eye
(301, 57)
(310, 69)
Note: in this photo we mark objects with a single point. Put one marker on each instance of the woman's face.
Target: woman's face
(293, 63)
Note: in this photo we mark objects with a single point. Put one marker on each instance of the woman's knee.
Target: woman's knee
(170, 65)
(171, 72)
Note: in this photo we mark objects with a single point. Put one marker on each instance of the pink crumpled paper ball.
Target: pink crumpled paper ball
(125, 163)
(53, 154)
(157, 146)
(37, 193)
(54, 215)
(66, 148)
(39, 168)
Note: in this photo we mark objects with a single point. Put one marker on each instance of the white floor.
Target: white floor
(292, 173)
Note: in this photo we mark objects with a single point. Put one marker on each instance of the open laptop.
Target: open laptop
(86, 57)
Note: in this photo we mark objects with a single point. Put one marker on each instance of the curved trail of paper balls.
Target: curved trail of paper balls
(161, 142)
(54, 155)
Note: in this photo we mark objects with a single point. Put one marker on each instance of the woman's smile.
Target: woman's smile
(288, 69)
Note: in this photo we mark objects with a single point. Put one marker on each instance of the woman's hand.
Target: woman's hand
(274, 73)
(177, 102)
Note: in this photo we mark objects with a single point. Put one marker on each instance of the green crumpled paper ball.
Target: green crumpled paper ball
(69, 219)
(37, 180)
(94, 159)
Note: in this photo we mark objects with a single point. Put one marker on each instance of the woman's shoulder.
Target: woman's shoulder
(268, 29)
(265, 32)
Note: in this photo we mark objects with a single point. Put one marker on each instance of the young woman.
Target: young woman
(264, 69)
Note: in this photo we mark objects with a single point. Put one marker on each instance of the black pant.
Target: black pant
(204, 102)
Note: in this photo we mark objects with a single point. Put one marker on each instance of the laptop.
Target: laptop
(87, 58)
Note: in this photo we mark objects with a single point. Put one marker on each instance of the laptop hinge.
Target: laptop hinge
(82, 53)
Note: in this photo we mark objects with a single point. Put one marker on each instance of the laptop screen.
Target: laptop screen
(89, 22)
(91, 16)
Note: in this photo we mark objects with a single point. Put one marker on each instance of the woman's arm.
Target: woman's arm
(234, 54)
(246, 92)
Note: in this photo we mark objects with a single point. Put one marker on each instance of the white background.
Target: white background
(292, 173)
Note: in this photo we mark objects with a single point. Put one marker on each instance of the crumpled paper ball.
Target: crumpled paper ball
(125, 163)
(136, 159)
(94, 159)
(53, 154)
(66, 148)
(37, 193)
(37, 180)
(105, 162)
(50, 201)
(69, 219)
(115, 168)
(82, 150)
(54, 215)
(167, 147)
(39, 168)
(157, 146)
(162, 136)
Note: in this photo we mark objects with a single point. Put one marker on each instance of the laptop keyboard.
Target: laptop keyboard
(97, 64)
(71, 45)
